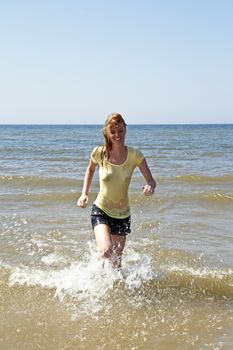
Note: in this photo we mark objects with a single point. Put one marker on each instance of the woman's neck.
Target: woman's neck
(118, 149)
(118, 154)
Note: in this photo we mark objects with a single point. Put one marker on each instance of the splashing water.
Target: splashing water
(86, 284)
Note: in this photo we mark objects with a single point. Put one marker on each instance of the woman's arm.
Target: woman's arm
(83, 199)
(148, 189)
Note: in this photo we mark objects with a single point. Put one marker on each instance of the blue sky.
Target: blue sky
(167, 61)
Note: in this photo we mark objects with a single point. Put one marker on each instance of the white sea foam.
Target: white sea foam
(52, 259)
(201, 272)
(85, 283)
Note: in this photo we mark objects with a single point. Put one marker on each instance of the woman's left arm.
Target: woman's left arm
(149, 188)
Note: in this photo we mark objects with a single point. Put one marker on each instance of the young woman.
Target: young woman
(110, 216)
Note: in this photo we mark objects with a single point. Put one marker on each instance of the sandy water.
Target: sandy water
(176, 287)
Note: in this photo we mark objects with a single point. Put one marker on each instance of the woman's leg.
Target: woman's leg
(118, 244)
(109, 246)
(103, 240)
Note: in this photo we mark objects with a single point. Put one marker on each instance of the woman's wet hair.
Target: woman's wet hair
(113, 120)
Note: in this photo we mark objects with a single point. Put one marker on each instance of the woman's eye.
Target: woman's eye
(119, 131)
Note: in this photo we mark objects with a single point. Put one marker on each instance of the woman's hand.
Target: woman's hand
(82, 201)
(148, 190)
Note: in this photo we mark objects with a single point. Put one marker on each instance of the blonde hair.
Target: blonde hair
(113, 120)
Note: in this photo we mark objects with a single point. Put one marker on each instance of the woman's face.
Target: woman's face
(116, 133)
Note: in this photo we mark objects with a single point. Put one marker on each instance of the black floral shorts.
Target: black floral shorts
(117, 226)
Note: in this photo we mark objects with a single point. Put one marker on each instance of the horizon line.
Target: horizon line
(99, 124)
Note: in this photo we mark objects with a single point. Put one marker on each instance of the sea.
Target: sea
(175, 289)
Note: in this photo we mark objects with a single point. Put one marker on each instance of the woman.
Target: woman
(110, 214)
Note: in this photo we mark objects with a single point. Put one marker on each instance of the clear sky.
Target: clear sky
(154, 61)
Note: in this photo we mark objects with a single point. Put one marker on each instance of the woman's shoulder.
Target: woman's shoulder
(133, 150)
(135, 154)
(98, 149)
(97, 153)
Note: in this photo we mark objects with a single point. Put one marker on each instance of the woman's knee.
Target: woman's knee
(106, 251)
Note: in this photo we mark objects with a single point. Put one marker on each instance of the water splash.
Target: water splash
(85, 285)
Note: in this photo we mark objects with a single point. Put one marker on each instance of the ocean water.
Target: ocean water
(176, 286)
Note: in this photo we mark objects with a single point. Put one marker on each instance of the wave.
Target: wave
(204, 179)
(217, 197)
(213, 197)
(38, 181)
(163, 200)
(212, 154)
(46, 197)
(25, 180)
(205, 281)
(91, 281)
(42, 197)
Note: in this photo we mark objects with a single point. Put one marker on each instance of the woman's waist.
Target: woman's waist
(114, 208)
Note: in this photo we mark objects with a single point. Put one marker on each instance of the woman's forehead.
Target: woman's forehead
(116, 125)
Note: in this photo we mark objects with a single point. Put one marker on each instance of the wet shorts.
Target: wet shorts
(117, 226)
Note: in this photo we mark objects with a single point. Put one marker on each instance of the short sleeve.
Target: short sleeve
(138, 157)
(94, 155)
(97, 154)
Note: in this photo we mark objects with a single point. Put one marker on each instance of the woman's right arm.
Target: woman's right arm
(83, 199)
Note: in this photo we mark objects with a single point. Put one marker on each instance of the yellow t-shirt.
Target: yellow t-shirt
(114, 182)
